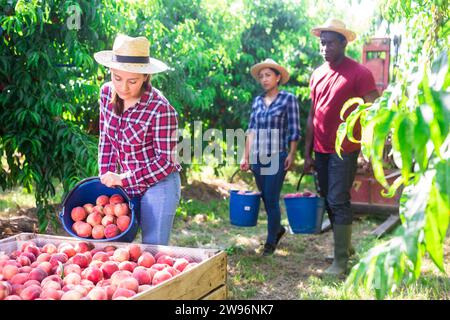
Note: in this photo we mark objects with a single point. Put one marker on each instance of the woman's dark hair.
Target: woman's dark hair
(277, 72)
(118, 104)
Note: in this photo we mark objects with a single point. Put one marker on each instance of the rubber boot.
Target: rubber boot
(342, 238)
(351, 252)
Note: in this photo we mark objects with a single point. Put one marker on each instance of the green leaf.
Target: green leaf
(340, 136)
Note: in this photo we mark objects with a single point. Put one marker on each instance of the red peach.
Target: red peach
(9, 271)
(161, 276)
(121, 209)
(111, 231)
(96, 263)
(109, 248)
(108, 219)
(31, 283)
(19, 278)
(180, 264)
(38, 274)
(109, 268)
(72, 268)
(88, 207)
(101, 256)
(94, 219)
(118, 276)
(98, 232)
(123, 222)
(46, 266)
(116, 198)
(135, 251)
(33, 249)
(166, 259)
(78, 214)
(92, 274)
(72, 278)
(83, 246)
(51, 285)
(58, 257)
(76, 226)
(43, 257)
(130, 284)
(53, 277)
(102, 200)
(98, 293)
(142, 276)
(68, 249)
(121, 254)
(110, 290)
(23, 260)
(26, 269)
(31, 293)
(123, 293)
(127, 265)
(30, 256)
(17, 289)
(81, 260)
(98, 209)
(159, 266)
(172, 271)
(146, 260)
(72, 295)
(84, 229)
(109, 210)
(51, 293)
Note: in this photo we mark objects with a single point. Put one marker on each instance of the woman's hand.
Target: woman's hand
(289, 162)
(111, 179)
(309, 165)
(245, 165)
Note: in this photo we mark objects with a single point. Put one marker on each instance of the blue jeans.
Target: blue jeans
(335, 180)
(156, 209)
(270, 187)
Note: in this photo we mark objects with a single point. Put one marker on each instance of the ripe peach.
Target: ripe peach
(51, 285)
(109, 248)
(81, 260)
(98, 209)
(142, 276)
(135, 251)
(111, 231)
(96, 263)
(92, 274)
(159, 266)
(88, 207)
(88, 284)
(76, 226)
(118, 276)
(110, 290)
(78, 214)
(68, 249)
(29, 255)
(17, 289)
(72, 278)
(172, 271)
(123, 222)
(98, 293)
(102, 200)
(116, 198)
(101, 256)
(72, 268)
(33, 249)
(161, 276)
(108, 219)
(109, 210)
(84, 229)
(94, 219)
(31, 293)
(26, 269)
(19, 278)
(9, 271)
(108, 269)
(46, 266)
(144, 287)
(166, 259)
(31, 283)
(127, 265)
(13, 297)
(23, 260)
(72, 295)
(129, 283)
(43, 257)
(38, 274)
(180, 264)
(52, 293)
(98, 232)
(58, 257)
(121, 254)
(121, 209)
(54, 278)
(83, 246)
(5, 289)
(146, 260)
(123, 293)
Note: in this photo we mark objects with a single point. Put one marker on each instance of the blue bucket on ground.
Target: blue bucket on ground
(305, 214)
(87, 191)
(244, 208)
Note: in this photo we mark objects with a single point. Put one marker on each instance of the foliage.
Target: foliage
(414, 112)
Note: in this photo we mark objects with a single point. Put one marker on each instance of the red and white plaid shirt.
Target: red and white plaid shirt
(142, 140)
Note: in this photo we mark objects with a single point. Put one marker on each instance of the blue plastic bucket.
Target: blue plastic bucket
(305, 215)
(244, 208)
(87, 191)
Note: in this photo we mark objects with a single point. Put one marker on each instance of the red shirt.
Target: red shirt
(331, 87)
(142, 140)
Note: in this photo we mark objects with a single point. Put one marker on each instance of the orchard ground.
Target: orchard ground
(293, 272)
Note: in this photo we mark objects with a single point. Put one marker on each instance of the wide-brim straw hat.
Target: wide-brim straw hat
(130, 54)
(269, 63)
(335, 25)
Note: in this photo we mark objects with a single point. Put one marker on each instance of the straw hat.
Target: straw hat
(132, 55)
(336, 26)
(269, 63)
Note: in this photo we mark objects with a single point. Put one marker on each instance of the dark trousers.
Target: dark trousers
(336, 177)
(270, 187)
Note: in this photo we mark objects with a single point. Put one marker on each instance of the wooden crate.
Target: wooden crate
(207, 280)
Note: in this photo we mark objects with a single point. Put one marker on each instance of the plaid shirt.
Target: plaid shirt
(142, 140)
(276, 125)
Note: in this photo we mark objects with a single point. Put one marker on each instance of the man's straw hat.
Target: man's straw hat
(336, 26)
(132, 55)
(269, 63)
